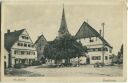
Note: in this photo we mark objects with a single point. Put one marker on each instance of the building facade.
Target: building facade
(6, 58)
(99, 50)
(20, 47)
(40, 44)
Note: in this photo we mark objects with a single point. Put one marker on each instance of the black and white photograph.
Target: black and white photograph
(64, 39)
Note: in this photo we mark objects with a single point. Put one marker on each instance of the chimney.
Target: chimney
(100, 32)
(8, 31)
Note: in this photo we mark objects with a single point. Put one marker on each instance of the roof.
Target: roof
(41, 36)
(87, 31)
(63, 27)
(10, 38)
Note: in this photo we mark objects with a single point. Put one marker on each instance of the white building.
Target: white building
(95, 43)
(6, 58)
(20, 47)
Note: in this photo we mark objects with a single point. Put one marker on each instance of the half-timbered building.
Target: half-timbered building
(20, 47)
(99, 50)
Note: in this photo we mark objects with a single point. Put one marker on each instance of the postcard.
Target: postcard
(63, 41)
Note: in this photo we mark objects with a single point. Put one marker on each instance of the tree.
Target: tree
(120, 55)
(65, 47)
(121, 50)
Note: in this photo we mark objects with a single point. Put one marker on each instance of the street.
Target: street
(83, 70)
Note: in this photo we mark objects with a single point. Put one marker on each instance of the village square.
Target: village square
(86, 53)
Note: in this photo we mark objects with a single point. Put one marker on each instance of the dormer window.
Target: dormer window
(20, 44)
(24, 37)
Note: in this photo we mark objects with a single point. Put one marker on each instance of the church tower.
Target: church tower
(63, 30)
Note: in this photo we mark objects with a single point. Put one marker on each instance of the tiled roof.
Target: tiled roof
(10, 38)
(87, 31)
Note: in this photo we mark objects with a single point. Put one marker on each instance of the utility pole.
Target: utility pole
(103, 28)
(103, 42)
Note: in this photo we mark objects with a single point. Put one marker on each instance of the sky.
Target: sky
(44, 17)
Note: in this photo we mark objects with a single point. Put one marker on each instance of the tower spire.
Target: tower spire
(63, 26)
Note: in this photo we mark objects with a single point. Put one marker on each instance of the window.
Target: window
(105, 49)
(4, 57)
(96, 57)
(32, 46)
(28, 52)
(91, 40)
(22, 52)
(99, 57)
(24, 37)
(106, 57)
(110, 51)
(99, 49)
(94, 49)
(19, 52)
(110, 57)
(21, 44)
(18, 44)
(15, 52)
(25, 45)
(29, 45)
(33, 53)
(89, 49)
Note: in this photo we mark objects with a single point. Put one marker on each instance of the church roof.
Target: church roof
(41, 36)
(86, 31)
(10, 38)
(63, 27)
